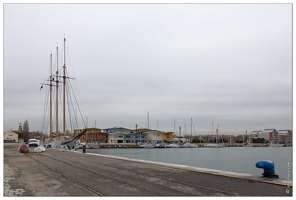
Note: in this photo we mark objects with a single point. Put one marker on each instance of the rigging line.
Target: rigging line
(194, 129)
(76, 91)
(70, 105)
(53, 108)
(70, 60)
(46, 117)
(69, 97)
(81, 115)
(77, 104)
(41, 110)
(44, 72)
(43, 124)
(61, 64)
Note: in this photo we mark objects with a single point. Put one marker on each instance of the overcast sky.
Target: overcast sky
(223, 63)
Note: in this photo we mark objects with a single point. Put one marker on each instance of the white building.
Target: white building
(10, 137)
(270, 135)
(115, 137)
(285, 136)
(116, 130)
(254, 135)
(154, 136)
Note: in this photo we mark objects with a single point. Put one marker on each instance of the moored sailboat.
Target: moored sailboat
(55, 140)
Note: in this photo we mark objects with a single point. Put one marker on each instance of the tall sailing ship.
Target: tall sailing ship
(57, 140)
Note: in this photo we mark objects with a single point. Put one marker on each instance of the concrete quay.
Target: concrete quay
(69, 173)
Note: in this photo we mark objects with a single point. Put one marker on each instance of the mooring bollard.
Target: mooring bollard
(84, 148)
(268, 168)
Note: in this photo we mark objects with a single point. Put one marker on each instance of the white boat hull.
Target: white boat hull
(39, 149)
(172, 146)
(189, 145)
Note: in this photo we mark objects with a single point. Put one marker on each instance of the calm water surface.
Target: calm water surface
(233, 159)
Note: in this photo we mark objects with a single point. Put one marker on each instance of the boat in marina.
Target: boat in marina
(172, 145)
(190, 145)
(160, 145)
(56, 140)
(94, 146)
(214, 145)
(147, 145)
(249, 144)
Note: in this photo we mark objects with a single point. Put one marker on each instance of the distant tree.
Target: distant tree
(239, 139)
(26, 130)
(224, 140)
(20, 134)
(195, 140)
(258, 140)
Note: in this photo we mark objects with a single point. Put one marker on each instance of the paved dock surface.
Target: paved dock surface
(56, 173)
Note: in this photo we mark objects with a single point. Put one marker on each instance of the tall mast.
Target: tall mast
(174, 125)
(64, 89)
(57, 94)
(50, 101)
(148, 119)
(217, 133)
(191, 130)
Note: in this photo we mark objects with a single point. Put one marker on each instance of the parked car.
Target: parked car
(33, 143)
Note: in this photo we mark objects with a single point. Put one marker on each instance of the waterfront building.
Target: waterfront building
(130, 137)
(116, 130)
(117, 137)
(167, 136)
(92, 135)
(143, 130)
(10, 137)
(134, 137)
(254, 135)
(270, 135)
(179, 139)
(154, 136)
(285, 136)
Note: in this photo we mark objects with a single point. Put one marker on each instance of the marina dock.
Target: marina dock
(70, 173)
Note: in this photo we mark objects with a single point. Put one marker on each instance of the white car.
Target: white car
(33, 143)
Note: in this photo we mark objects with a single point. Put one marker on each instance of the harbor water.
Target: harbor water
(233, 159)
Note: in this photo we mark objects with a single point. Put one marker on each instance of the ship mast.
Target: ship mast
(191, 130)
(64, 89)
(57, 99)
(50, 104)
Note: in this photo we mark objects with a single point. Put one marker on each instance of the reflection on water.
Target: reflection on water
(234, 159)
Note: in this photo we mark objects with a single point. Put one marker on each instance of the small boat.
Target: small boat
(63, 148)
(93, 146)
(172, 145)
(162, 145)
(147, 145)
(190, 145)
(213, 145)
(39, 149)
(249, 144)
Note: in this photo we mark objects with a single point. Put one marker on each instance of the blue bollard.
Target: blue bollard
(268, 168)
(84, 148)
